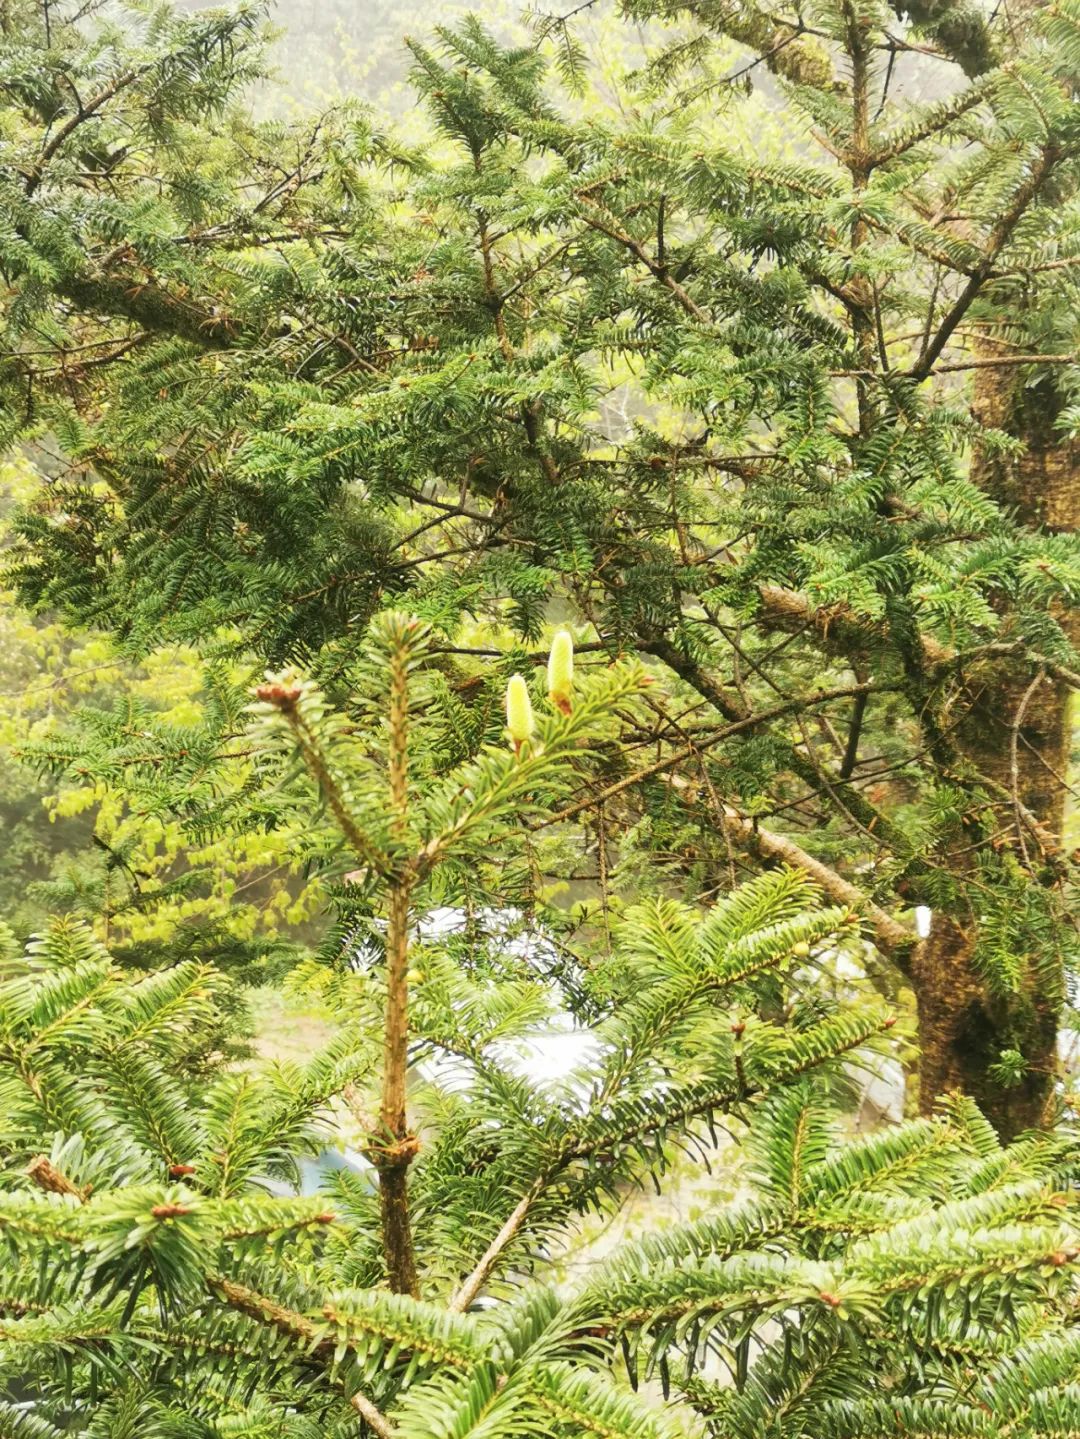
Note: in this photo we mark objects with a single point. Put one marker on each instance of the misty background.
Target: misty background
(330, 51)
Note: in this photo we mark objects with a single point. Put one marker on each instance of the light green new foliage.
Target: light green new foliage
(150, 1282)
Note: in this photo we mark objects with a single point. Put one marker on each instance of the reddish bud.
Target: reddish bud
(282, 697)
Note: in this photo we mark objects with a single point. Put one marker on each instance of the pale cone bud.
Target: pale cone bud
(561, 670)
(519, 712)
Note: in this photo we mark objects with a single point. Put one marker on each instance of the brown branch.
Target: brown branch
(850, 802)
(81, 115)
(605, 223)
(374, 1418)
(998, 239)
(841, 631)
(284, 699)
(1002, 360)
(293, 1325)
(747, 721)
(397, 1147)
(954, 367)
(152, 307)
(472, 1286)
(892, 938)
(838, 628)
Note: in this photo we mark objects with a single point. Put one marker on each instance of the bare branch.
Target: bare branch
(475, 1282)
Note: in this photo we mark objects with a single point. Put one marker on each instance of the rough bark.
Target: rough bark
(1016, 733)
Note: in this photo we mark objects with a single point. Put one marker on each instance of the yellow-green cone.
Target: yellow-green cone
(561, 671)
(519, 711)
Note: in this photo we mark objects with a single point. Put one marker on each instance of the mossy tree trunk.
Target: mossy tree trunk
(1016, 734)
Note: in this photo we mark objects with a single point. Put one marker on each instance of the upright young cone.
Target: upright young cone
(561, 670)
(519, 712)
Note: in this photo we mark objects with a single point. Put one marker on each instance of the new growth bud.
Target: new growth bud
(519, 712)
(561, 671)
(282, 696)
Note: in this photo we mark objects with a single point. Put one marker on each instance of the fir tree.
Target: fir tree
(152, 1285)
(395, 384)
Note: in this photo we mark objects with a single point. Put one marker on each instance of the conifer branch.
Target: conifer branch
(892, 938)
(286, 698)
(939, 116)
(153, 307)
(704, 742)
(1050, 155)
(601, 220)
(858, 809)
(86, 111)
(471, 1287)
(304, 1332)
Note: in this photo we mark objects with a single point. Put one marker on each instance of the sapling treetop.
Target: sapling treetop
(150, 1281)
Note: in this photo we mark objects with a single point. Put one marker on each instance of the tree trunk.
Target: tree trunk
(1016, 733)
(397, 1147)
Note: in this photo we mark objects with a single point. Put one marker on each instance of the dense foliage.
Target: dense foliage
(742, 394)
(154, 1286)
(708, 401)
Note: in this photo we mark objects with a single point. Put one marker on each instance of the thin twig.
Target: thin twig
(472, 1286)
